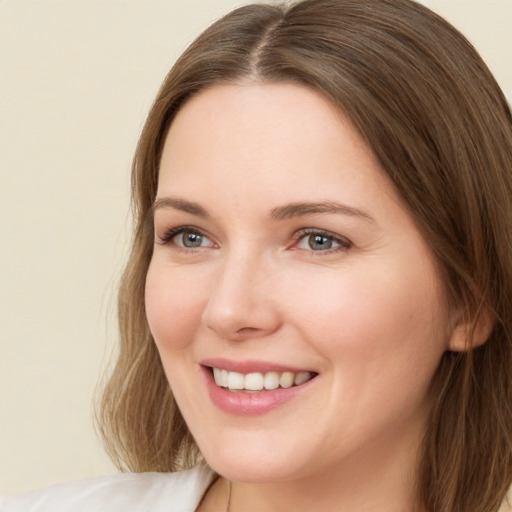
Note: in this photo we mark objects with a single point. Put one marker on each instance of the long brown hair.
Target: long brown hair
(433, 114)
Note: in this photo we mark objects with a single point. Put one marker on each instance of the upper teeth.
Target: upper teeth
(257, 381)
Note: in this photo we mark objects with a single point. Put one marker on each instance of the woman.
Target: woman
(318, 296)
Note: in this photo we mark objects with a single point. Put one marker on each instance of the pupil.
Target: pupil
(192, 239)
(317, 242)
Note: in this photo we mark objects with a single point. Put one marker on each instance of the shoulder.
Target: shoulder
(128, 492)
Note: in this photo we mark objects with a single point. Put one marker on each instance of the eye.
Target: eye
(190, 239)
(321, 241)
(186, 237)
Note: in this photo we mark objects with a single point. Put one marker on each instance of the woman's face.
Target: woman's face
(283, 257)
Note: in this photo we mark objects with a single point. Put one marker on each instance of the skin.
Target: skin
(368, 314)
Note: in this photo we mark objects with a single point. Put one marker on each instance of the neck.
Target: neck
(375, 479)
(387, 488)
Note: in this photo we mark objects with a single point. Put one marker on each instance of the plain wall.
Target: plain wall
(77, 78)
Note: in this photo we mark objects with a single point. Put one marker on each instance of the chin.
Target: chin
(254, 461)
(249, 471)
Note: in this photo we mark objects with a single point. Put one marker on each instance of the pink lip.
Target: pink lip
(246, 367)
(250, 404)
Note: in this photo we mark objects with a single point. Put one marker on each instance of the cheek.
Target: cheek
(374, 314)
(382, 337)
(173, 308)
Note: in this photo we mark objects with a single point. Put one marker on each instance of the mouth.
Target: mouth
(259, 381)
(250, 388)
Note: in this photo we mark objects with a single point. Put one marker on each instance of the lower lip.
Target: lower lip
(250, 404)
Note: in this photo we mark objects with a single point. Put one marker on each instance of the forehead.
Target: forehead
(243, 152)
(263, 131)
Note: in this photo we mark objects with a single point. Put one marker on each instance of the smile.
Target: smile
(256, 381)
(252, 388)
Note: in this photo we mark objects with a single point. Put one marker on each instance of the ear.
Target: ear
(470, 331)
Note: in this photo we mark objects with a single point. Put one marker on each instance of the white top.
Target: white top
(127, 492)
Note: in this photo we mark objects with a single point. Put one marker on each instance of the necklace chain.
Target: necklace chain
(228, 504)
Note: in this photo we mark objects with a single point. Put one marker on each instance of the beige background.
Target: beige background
(76, 80)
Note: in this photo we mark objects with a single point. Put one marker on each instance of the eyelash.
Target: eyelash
(344, 244)
(171, 233)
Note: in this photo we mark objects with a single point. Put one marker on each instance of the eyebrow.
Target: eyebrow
(303, 209)
(180, 204)
(288, 211)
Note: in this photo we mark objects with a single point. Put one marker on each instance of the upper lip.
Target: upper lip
(250, 366)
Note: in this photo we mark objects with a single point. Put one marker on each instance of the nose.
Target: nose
(242, 301)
